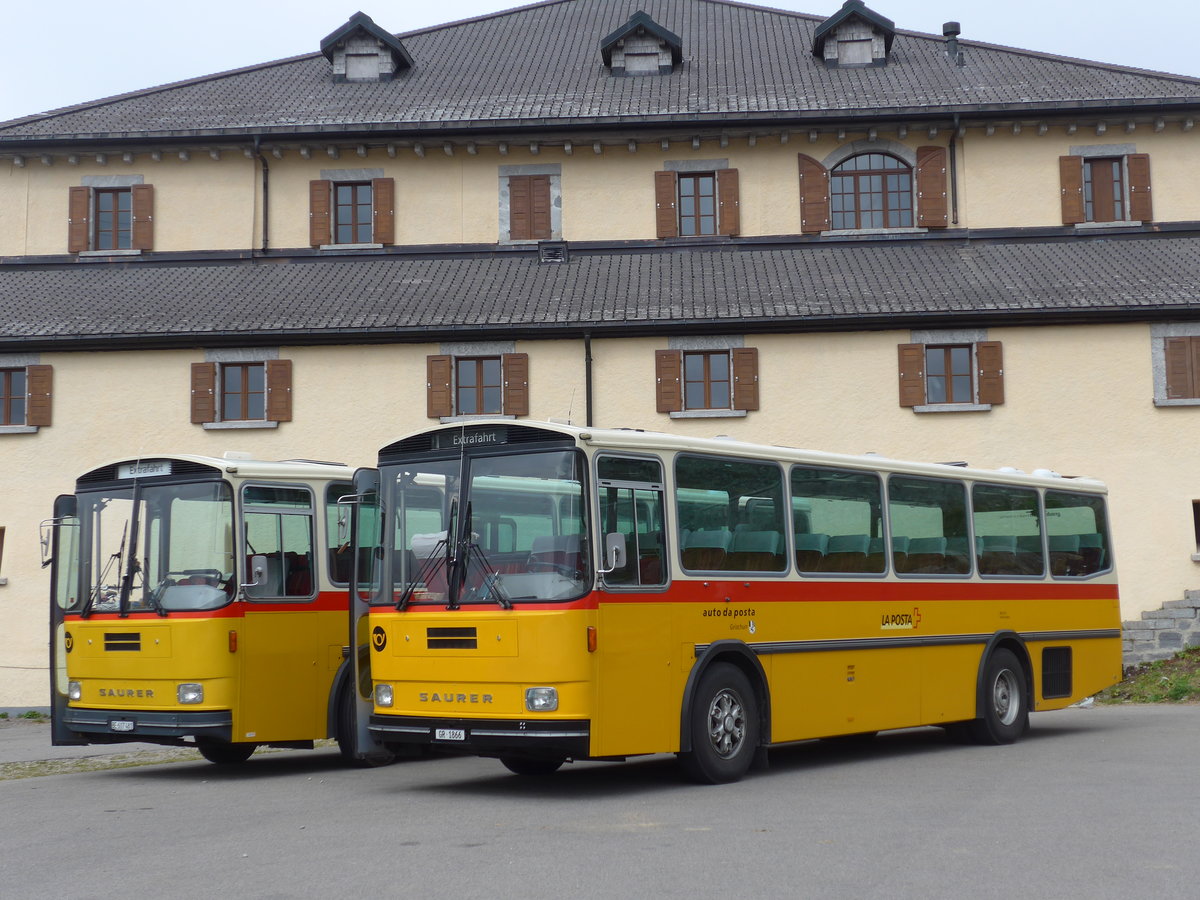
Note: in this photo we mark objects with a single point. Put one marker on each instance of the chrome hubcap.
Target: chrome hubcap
(1005, 697)
(726, 723)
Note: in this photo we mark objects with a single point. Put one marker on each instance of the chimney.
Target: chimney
(951, 31)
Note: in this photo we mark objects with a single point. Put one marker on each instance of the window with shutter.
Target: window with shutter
(942, 377)
(256, 393)
(1182, 359)
(871, 191)
(529, 208)
(1105, 188)
(706, 381)
(814, 196)
(696, 204)
(932, 208)
(477, 385)
(14, 397)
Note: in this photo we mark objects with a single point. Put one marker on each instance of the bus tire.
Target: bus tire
(531, 766)
(224, 753)
(725, 726)
(348, 745)
(1005, 713)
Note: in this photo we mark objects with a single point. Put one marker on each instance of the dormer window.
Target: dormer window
(361, 51)
(641, 47)
(854, 36)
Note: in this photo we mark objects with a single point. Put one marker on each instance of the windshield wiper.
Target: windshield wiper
(427, 569)
(132, 567)
(489, 587)
(98, 585)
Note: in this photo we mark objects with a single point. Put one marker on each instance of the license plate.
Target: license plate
(450, 734)
(121, 725)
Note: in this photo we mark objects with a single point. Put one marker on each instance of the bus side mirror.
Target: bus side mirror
(614, 552)
(258, 571)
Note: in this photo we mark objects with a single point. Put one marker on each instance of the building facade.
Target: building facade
(680, 215)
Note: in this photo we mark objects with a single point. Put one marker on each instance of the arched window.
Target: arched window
(871, 190)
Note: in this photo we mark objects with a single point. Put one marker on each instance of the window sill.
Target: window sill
(952, 407)
(337, 247)
(229, 426)
(709, 414)
(1195, 559)
(101, 254)
(1106, 226)
(3, 582)
(19, 429)
(1181, 401)
(851, 232)
(449, 420)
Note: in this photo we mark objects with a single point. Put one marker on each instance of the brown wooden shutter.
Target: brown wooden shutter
(912, 374)
(142, 201)
(1070, 174)
(79, 202)
(1140, 207)
(319, 197)
(279, 390)
(745, 378)
(39, 382)
(814, 196)
(383, 202)
(931, 188)
(666, 221)
(539, 207)
(989, 357)
(204, 393)
(668, 364)
(518, 208)
(1181, 357)
(438, 397)
(729, 216)
(515, 372)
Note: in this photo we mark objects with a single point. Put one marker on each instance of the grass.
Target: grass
(1174, 680)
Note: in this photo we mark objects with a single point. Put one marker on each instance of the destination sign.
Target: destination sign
(144, 468)
(480, 436)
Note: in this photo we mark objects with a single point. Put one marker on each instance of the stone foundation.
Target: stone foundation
(1161, 633)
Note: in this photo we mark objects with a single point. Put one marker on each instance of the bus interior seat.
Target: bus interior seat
(299, 580)
(927, 554)
(756, 551)
(847, 553)
(707, 549)
(810, 551)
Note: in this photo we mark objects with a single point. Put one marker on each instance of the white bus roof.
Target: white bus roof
(631, 439)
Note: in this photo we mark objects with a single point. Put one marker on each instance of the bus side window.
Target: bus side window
(279, 528)
(931, 514)
(631, 504)
(1077, 534)
(1008, 530)
(734, 512)
(838, 517)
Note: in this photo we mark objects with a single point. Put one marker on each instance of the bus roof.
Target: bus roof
(242, 465)
(634, 439)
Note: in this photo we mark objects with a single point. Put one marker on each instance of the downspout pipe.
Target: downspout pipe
(587, 378)
(266, 192)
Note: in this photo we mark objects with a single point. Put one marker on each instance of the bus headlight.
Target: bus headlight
(74, 690)
(190, 693)
(543, 699)
(383, 695)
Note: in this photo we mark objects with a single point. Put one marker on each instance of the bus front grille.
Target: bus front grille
(452, 638)
(122, 640)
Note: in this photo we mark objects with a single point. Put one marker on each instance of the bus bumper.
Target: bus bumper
(566, 739)
(105, 726)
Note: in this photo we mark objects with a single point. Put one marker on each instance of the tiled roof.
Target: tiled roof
(540, 66)
(801, 286)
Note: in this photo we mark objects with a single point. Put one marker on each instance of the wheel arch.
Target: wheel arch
(1013, 642)
(740, 655)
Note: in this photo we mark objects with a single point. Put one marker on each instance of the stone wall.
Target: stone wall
(1161, 633)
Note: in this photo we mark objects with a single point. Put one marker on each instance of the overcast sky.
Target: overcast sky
(72, 51)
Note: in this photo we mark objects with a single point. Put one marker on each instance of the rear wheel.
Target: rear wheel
(724, 726)
(224, 753)
(1005, 713)
(527, 765)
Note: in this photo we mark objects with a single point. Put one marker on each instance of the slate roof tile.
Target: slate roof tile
(542, 62)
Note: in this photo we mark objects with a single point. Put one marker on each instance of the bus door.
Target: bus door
(365, 573)
(282, 648)
(60, 550)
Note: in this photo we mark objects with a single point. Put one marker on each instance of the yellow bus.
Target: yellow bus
(202, 600)
(542, 593)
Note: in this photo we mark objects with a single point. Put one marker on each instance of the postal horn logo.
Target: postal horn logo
(901, 621)
(378, 637)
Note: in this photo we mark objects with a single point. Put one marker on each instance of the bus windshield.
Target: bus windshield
(489, 529)
(160, 547)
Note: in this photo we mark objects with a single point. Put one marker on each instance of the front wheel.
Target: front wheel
(534, 766)
(1005, 713)
(224, 753)
(347, 737)
(724, 726)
